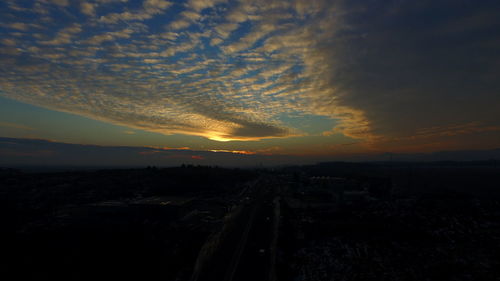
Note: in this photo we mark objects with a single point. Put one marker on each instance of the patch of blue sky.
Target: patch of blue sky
(260, 42)
(59, 17)
(52, 124)
(308, 123)
(243, 29)
(13, 14)
(3, 5)
(297, 68)
(251, 73)
(23, 120)
(209, 50)
(74, 11)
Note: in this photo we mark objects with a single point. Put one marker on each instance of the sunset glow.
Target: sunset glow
(302, 77)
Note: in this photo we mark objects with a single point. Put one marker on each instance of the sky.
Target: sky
(298, 78)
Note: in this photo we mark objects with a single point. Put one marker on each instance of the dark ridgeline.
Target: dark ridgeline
(331, 221)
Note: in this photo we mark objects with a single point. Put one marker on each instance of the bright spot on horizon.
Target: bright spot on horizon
(287, 77)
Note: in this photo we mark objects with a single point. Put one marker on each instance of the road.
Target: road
(248, 250)
(254, 258)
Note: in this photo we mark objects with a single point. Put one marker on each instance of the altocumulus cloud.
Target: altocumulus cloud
(229, 70)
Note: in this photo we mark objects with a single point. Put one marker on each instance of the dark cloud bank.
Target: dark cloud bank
(410, 65)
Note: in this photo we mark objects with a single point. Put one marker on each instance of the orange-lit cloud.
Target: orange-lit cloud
(233, 151)
(238, 70)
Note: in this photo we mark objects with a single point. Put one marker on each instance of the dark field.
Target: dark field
(331, 221)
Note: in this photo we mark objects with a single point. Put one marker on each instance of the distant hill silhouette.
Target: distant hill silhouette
(17, 152)
(459, 155)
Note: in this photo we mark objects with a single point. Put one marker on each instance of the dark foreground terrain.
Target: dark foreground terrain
(331, 221)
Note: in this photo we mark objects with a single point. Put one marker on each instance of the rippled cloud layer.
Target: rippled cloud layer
(388, 72)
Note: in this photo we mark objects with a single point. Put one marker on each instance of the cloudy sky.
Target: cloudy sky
(284, 77)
